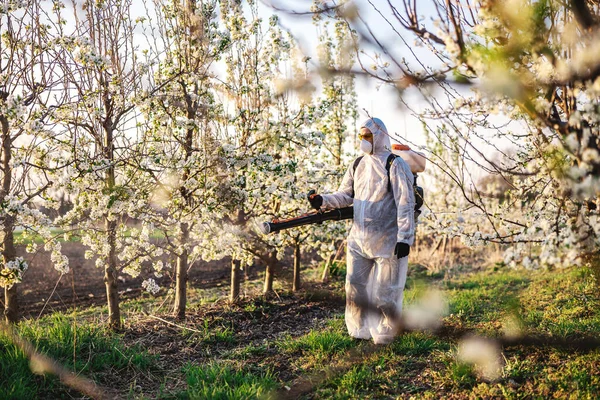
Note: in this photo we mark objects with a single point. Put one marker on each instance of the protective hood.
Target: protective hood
(381, 139)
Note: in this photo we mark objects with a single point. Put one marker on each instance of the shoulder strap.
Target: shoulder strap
(354, 166)
(388, 166)
(356, 162)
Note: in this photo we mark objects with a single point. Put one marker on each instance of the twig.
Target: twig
(50, 297)
(174, 324)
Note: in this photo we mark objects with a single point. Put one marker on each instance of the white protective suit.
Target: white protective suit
(375, 276)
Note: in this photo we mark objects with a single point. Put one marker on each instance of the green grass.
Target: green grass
(318, 346)
(21, 237)
(84, 348)
(246, 352)
(318, 343)
(417, 344)
(352, 384)
(484, 298)
(558, 303)
(211, 334)
(563, 303)
(226, 365)
(24, 238)
(222, 382)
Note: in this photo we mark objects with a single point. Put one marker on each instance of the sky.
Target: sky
(374, 99)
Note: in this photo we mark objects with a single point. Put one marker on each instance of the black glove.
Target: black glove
(401, 250)
(315, 200)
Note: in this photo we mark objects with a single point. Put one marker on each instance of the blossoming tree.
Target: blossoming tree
(253, 150)
(179, 143)
(337, 122)
(26, 158)
(105, 77)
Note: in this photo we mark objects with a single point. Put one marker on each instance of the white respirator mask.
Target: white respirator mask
(366, 146)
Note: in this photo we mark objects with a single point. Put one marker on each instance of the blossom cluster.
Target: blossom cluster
(11, 272)
(151, 286)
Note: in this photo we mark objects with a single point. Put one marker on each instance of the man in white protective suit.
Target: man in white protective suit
(382, 232)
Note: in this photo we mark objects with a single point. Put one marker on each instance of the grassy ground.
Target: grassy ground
(296, 346)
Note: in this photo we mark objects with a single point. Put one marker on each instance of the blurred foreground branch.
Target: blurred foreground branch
(41, 364)
(429, 321)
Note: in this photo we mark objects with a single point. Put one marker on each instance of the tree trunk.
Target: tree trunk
(270, 272)
(325, 276)
(268, 287)
(181, 273)
(110, 279)
(110, 269)
(11, 304)
(296, 281)
(9, 252)
(444, 242)
(416, 247)
(236, 275)
(181, 276)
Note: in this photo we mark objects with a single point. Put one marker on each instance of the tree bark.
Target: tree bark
(270, 272)
(110, 279)
(325, 276)
(236, 275)
(444, 242)
(110, 269)
(181, 273)
(11, 304)
(296, 280)
(181, 276)
(268, 288)
(9, 252)
(416, 247)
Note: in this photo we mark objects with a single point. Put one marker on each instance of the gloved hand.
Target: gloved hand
(315, 200)
(401, 250)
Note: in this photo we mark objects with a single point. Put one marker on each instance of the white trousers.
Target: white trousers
(374, 294)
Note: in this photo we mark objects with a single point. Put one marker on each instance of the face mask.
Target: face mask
(366, 147)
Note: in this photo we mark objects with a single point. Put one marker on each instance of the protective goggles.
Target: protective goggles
(366, 135)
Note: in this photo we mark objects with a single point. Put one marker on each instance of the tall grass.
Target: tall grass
(85, 348)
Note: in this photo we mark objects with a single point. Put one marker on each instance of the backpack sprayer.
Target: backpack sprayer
(416, 162)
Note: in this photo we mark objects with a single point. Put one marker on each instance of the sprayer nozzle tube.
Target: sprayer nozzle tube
(316, 218)
(265, 227)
